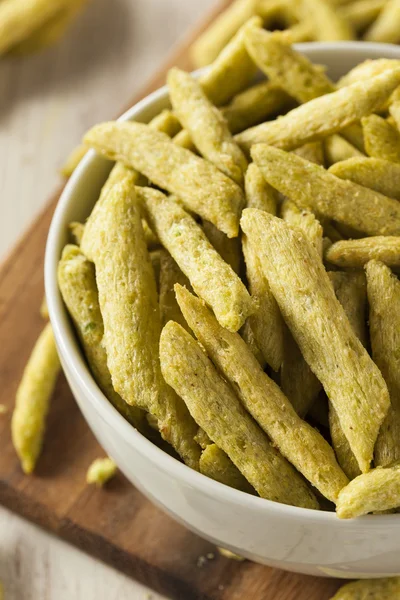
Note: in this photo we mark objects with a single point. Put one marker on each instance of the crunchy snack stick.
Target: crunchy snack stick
(206, 125)
(382, 140)
(129, 306)
(370, 589)
(199, 184)
(380, 175)
(384, 321)
(302, 445)
(361, 13)
(259, 194)
(356, 253)
(167, 123)
(338, 149)
(208, 46)
(377, 490)
(304, 220)
(325, 115)
(170, 274)
(256, 104)
(33, 399)
(367, 69)
(20, 18)
(387, 26)
(394, 109)
(216, 464)
(211, 277)
(77, 282)
(227, 248)
(310, 185)
(100, 471)
(285, 67)
(328, 23)
(215, 407)
(314, 152)
(76, 230)
(319, 325)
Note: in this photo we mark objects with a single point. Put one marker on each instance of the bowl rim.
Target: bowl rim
(72, 355)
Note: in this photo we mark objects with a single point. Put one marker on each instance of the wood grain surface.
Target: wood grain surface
(117, 524)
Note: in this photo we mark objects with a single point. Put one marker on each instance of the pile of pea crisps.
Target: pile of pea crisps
(29, 26)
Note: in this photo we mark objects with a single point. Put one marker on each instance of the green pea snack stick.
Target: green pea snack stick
(356, 253)
(215, 407)
(205, 124)
(209, 45)
(259, 194)
(310, 186)
(328, 23)
(378, 490)
(76, 230)
(101, 471)
(361, 13)
(285, 67)
(384, 305)
(217, 465)
(199, 184)
(376, 174)
(325, 115)
(314, 152)
(77, 283)
(170, 274)
(297, 441)
(210, 276)
(320, 327)
(337, 148)
(387, 26)
(33, 400)
(304, 220)
(382, 140)
(394, 110)
(370, 589)
(227, 248)
(129, 307)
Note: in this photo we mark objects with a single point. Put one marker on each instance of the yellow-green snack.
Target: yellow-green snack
(325, 115)
(384, 321)
(100, 471)
(380, 175)
(377, 490)
(354, 134)
(205, 124)
(20, 18)
(44, 310)
(199, 184)
(256, 104)
(208, 46)
(215, 463)
(297, 441)
(314, 152)
(170, 274)
(304, 220)
(332, 233)
(297, 380)
(328, 23)
(356, 253)
(370, 589)
(381, 139)
(166, 122)
(259, 194)
(233, 69)
(394, 110)
(77, 283)
(285, 67)
(367, 69)
(33, 399)
(337, 148)
(73, 160)
(216, 408)
(265, 325)
(386, 28)
(317, 321)
(310, 186)
(227, 248)
(362, 13)
(344, 455)
(301, 32)
(76, 230)
(129, 307)
(201, 437)
(211, 277)
(184, 140)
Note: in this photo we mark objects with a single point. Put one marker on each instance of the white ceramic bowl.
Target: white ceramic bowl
(296, 539)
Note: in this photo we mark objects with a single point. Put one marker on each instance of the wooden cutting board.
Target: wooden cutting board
(117, 524)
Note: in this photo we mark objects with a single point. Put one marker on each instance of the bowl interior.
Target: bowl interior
(75, 204)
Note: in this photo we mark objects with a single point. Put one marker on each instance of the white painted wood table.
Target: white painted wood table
(47, 102)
